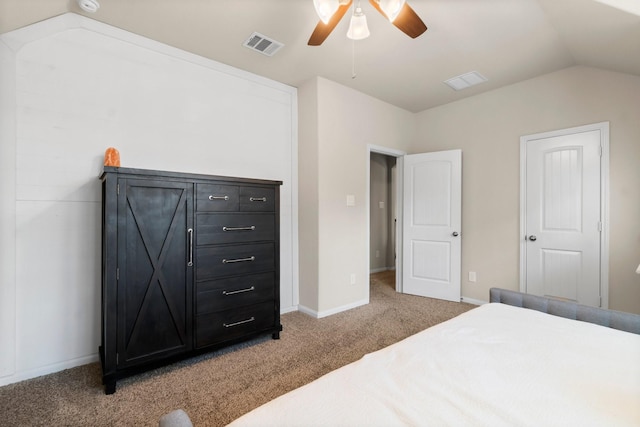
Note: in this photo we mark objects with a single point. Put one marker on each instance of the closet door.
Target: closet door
(155, 277)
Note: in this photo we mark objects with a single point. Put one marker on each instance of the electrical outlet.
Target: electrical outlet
(377, 254)
(472, 276)
(353, 278)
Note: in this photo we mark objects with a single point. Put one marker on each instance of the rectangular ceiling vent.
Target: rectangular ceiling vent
(466, 80)
(263, 44)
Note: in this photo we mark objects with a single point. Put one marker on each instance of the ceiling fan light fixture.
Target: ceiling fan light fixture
(391, 8)
(326, 8)
(358, 28)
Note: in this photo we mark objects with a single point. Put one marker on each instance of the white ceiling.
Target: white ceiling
(505, 40)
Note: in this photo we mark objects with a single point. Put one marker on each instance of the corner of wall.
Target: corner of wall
(8, 211)
(308, 203)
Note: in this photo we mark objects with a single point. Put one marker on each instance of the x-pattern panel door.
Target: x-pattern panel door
(155, 291)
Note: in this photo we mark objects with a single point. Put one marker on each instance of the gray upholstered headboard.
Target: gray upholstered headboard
(627, 322)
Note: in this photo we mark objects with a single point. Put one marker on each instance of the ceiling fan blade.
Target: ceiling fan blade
(323, 30)
(407, 20)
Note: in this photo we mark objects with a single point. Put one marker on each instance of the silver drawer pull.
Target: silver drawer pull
(257, 199)
(229, 325)
(190, 262)
(251, 228)
(253, 288)
(212, 197)
(229, 261)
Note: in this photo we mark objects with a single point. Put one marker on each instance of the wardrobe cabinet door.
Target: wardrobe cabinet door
(155, 290)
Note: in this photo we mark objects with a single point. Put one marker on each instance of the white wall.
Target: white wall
(488, 128)
(347, 122)
(82, 86)
(308, 195)
(7, 212)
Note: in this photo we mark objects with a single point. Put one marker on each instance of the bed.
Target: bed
(518, 361)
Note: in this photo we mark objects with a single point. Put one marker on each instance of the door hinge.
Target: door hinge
(600, 226)
(601, 151)
(117, 358)
(118, 273)
(118, 189)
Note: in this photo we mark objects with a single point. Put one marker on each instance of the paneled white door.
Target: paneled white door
(431, 224)
(562, 218)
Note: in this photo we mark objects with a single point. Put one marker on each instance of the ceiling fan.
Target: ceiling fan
(332, 11)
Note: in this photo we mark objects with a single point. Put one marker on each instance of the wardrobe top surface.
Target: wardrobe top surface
(114, 170)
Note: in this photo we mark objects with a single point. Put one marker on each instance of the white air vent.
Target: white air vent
(466, 80)
(262, 44)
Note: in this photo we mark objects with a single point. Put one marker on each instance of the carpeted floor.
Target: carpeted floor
(216, 388)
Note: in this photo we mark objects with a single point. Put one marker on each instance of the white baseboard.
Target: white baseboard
(308, 311)
(321, 314)
(473, 301)
(49, 369)
(289, 309)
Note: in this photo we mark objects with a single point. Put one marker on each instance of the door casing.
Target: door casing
(603, 127)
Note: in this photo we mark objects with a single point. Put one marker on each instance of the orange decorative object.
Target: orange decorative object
(112, 157)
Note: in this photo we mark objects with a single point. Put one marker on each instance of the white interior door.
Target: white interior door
(562, 218)
(431, 242)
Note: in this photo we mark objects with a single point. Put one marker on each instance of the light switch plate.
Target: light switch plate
(351, 200)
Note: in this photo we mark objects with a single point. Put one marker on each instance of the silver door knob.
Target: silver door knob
(454, 234)
(533, 238)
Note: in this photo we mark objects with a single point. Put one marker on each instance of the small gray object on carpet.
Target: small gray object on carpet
(177, 418)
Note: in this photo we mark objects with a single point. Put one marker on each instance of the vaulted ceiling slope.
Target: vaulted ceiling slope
(507, 41)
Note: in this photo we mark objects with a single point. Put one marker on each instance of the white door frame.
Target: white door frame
(399, 173)
(603, 127)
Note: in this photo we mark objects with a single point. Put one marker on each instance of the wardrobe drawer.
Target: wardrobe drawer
(217, 198)
(234, 260)
(215, 228)
(222, 294)
(257, 199)
(234, 323)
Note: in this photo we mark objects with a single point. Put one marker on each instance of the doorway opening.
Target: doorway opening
(425, 224)
(388, 172)
(383, 177)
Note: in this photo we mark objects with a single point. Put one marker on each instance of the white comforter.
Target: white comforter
(495, 365)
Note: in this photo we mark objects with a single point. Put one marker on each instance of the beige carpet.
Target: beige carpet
(216, 388)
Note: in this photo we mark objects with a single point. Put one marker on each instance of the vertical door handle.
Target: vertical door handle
(190, 232)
